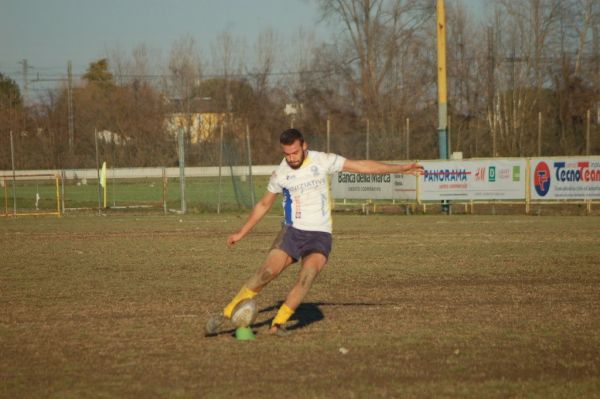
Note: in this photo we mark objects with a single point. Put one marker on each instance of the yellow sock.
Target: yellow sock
(245, 293)
(283, 315)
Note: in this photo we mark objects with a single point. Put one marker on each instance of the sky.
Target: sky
(49, 33)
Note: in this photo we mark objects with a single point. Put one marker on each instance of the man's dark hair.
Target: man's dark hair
(289, 136)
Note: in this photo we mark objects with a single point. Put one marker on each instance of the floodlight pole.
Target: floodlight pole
(442, 94)
(441, 75)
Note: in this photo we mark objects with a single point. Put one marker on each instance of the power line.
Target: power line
(53, 78)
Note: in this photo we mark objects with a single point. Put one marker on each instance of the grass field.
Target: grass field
(409, 306)
(202, 194)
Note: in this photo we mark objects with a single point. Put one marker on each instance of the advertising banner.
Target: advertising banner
(405, 187)
(345, 185)
(573, 178)
(487, 179)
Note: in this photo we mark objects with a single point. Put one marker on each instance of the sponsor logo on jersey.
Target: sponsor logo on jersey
(315, 170)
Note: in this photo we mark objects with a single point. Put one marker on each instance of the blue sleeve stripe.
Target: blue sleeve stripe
(287, 207)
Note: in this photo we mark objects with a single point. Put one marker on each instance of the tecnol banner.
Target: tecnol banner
(573, 178)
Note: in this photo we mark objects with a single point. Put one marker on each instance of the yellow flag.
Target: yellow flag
(103, 175)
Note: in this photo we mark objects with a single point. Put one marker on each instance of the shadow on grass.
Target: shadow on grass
(306, 314)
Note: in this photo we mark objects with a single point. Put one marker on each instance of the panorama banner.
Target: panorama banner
(572, 178)
(486, 179)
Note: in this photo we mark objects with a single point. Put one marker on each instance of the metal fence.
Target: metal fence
(211, 189)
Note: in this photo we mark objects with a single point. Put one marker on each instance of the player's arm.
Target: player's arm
(368, 166)
(258, 212)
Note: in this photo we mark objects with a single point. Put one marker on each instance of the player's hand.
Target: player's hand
(414, 169)
(232, 239)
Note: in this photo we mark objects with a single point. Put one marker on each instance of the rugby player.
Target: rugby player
(302, 179)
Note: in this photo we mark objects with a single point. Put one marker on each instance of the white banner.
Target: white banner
(345, 185)
(573, 178)
(488, 179)
(405, 187)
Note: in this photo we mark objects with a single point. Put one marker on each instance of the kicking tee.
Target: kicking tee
(306, 195)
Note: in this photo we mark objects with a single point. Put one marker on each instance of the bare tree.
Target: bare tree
(120, 65)
(521, 44)
(140, 65)
(184, 76)
(468, 78)
(374, 31)
(185, 69)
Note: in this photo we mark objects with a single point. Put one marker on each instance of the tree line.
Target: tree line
(523, 80)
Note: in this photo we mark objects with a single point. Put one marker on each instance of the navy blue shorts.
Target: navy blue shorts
(298, 243)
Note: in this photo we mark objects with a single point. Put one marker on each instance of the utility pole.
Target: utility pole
(25, 72)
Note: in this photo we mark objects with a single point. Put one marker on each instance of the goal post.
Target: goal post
(30, 195)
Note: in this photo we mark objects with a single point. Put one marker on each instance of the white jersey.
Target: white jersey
(306, 195)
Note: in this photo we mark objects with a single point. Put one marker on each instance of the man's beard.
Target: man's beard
(299, 164)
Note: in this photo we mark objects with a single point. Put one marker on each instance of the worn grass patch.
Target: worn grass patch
(417, 306)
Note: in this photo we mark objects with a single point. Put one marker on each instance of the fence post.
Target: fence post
(164, 182)
(449, 136)
(98, 172)
(220, 167)
(494, 148)
(587, 134)
(181, 170)
(63, 176)
(4, 185)
(368, 131)
(56, 177)
(539, 151)
(328, 134)
(527, 186)
(12, 159)
(407, 138)
(250, 165)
